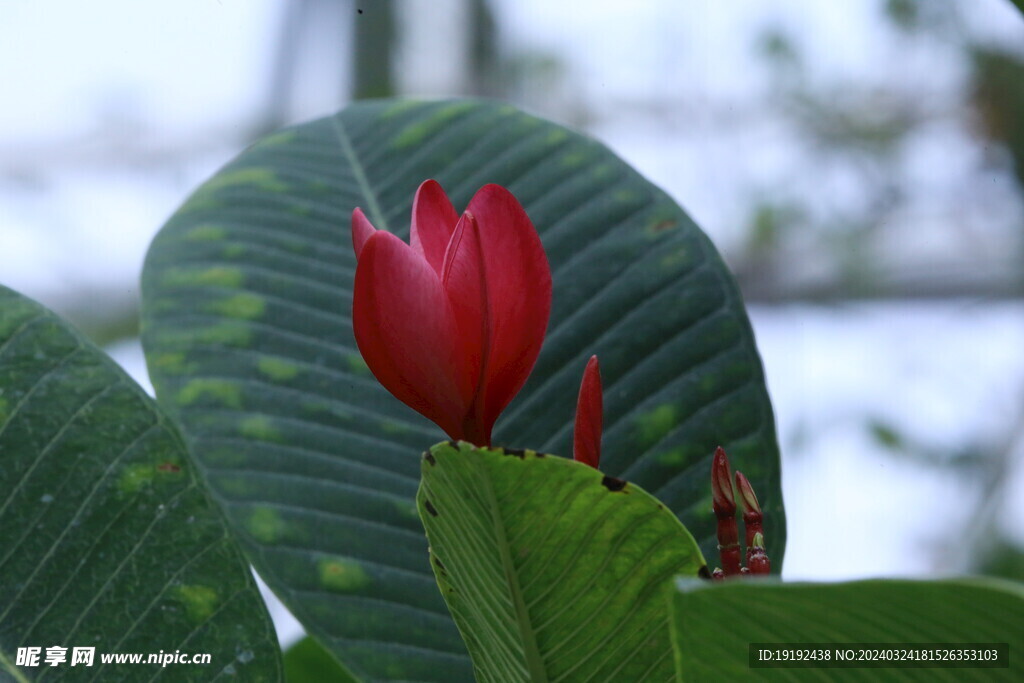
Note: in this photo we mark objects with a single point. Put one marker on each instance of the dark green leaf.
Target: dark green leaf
(247, 297)
(552, 571)
(107, 537)
(713, 624)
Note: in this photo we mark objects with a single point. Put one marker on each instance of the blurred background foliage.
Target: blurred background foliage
(860, 166)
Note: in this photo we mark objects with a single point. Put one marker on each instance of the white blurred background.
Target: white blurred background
(860, 165)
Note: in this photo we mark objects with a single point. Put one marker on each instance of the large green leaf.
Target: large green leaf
(107, 537)
(713, 624)
(552, 571)
(247, 297)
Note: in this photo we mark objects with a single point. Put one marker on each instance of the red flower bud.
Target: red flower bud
(725, 510)
(721, 485)
(751, 509)
(452, 323)
(586, 439)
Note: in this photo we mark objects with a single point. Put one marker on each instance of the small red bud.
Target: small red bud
(586, 439)
(721, 485)
(751, 509)
(724, 505)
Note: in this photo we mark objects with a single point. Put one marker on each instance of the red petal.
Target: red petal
(433, 220)
(586, 440)
(362, 230)
(406, 331)
(464, 282)
(518, 296)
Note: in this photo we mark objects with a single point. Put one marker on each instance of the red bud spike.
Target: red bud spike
(757, 558)
(586, 442)
(751, 508)
(721, 485)
(725, 510)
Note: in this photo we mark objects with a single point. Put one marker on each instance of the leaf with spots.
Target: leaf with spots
(714, 623)
(312, 458)
(552, 571)
(108, 538)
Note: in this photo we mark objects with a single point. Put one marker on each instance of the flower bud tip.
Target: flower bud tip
(747, 496)
(721, 485)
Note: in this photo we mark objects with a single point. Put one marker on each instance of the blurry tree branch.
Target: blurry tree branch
(374, 32)
(998, 97)
(484, 66)
(763, 282)
(367, 50)
(285, 64)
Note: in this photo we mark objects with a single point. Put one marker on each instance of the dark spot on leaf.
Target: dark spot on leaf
(454, 444)
(360, 11)
(430, 508)
(704, 573)
(440, 565)
(168, 467)
(429, 457)
(613, 484)
(517, 452)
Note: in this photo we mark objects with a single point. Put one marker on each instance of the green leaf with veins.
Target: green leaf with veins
(553, 571)
(107, 536)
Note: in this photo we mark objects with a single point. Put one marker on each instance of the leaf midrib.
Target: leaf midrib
(531, 653)
(359, 173)
(5, 665)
